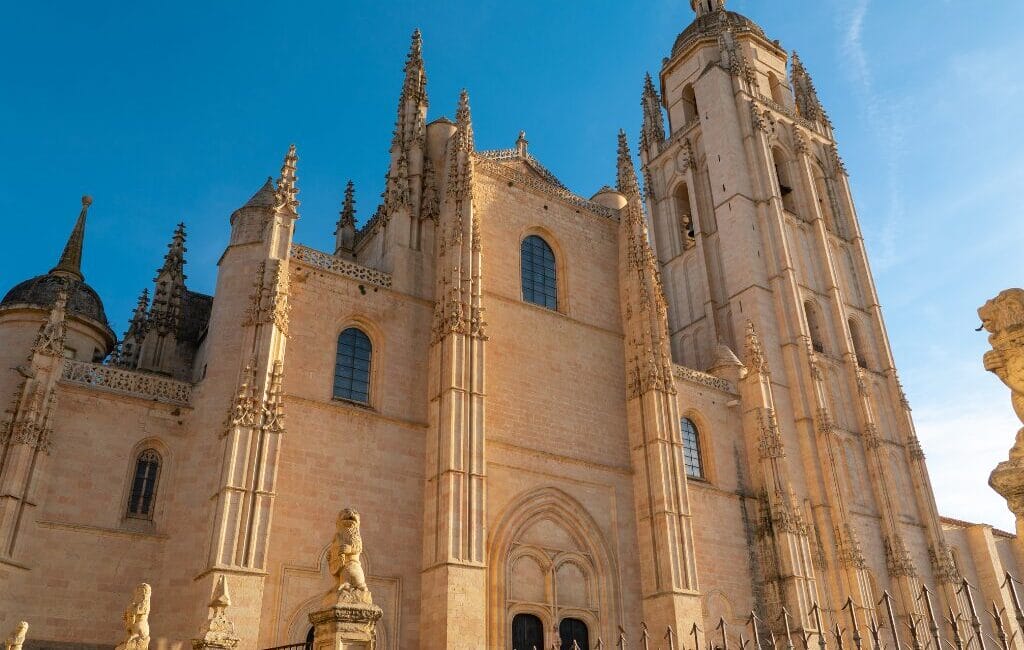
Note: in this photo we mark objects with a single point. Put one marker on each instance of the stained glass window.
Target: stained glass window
(540, 284)
(691, 449)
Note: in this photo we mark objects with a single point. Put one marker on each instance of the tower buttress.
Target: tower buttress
(454, 587)
(664, 523)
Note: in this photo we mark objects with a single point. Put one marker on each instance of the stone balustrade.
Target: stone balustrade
(127, 382)
(339, 265)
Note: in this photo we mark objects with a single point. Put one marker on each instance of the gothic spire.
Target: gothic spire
(169, 291)
(287, 187)
(70, 264)
(807, 102)
(653, 132)
(344, 234)
(174, 261)
(412, 103)
(628, 185)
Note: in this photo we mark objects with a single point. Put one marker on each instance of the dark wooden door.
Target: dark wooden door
(527, 632)
(573, 629)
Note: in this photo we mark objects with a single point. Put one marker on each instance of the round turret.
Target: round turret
(27, 304)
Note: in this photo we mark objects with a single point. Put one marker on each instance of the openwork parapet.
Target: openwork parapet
(127, 382)
(341, 266)
(703, 378)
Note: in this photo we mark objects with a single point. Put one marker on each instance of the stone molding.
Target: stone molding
(341, 266)
(704, 379)
(127, 382)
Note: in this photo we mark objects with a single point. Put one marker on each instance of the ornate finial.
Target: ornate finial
(755, 353)
(348, 208)
(287, 188)
(627, 182)
(521, 144)
(70, 263)
(464, 121)
(345, 232)
(415, 85)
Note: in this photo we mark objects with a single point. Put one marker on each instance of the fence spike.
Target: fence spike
(725, 637)
(1015, 599)
(891, 615)
(822, 641)
(622, 638)
(954, 624)
(875, 632)
(576, 645)
(694, 630)
(838, 633)
(789, 631)
(915, 639)
(753, 628)
(968, 590)
(671, 637)
(933, 625)
(996, 614)
(600, 644)
(644, 636)
(855, 635)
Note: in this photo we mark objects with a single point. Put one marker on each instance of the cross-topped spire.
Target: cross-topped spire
(70, 264)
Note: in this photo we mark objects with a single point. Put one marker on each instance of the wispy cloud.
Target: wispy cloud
(885, 122)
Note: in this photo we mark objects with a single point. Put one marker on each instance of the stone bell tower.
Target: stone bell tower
(755, 230)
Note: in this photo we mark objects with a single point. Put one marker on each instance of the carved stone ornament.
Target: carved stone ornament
(1003, 317)
(345, 564)
(17, 636)
(943, 566)
(219, 632)
(136, 620)
(50, 340)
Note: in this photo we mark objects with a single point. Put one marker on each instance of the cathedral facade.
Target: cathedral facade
(673, 402)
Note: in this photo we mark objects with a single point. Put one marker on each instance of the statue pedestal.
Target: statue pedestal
(346, 626)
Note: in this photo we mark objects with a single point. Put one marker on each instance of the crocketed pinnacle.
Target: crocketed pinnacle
(654, 121)
(70, 264)
(464, 121)
(287, 183)
(805, 93)
(628, 184)
(415, 85)
(348, 207)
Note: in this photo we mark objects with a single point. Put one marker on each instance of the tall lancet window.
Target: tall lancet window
(540, 281)
(144, 483)
(352, 366)
(691, 449)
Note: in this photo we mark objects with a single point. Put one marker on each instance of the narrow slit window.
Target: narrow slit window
(144, 484)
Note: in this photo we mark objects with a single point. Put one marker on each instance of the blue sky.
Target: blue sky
(170, 112)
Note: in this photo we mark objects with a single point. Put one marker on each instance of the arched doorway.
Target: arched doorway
(527, 632)
(574, 630)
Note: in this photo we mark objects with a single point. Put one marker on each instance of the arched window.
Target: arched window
(690, 110)
(310, 636)
(691, 449)
(573, 629)
(144, 483)
(352, 366)
(527, 632)
(687, 225)
(781, 163)
(540, 282)
(814, 325)
(859, 349)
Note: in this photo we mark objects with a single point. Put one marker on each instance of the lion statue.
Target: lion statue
(17, 638)
(1003, 317)
(343, 559)
(136, 620)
